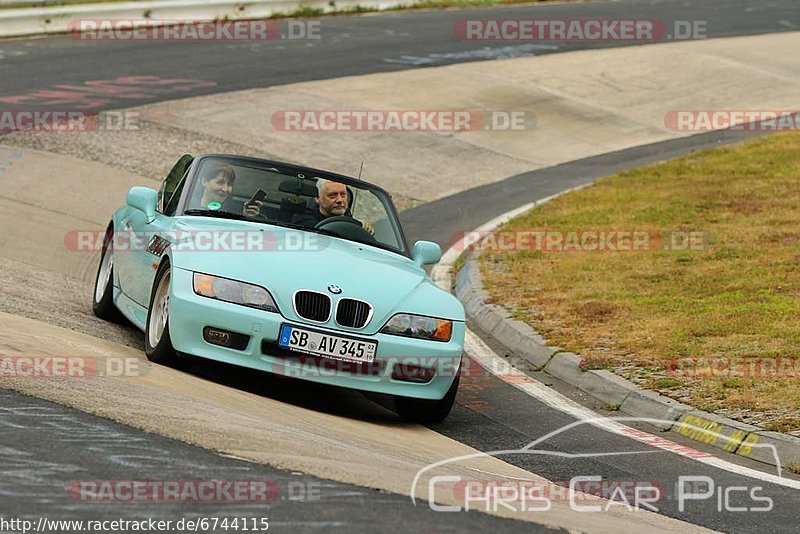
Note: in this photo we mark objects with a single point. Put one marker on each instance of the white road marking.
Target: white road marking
(10, 53)
(485, 53)
(498, 475)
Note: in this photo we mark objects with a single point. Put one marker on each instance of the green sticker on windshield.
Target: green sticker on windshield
(214, 205)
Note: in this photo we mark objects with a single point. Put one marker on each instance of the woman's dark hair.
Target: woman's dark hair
(224, 169)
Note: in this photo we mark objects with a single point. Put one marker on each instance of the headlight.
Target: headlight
(234, 292)
(404, 324)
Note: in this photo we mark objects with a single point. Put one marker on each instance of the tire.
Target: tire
(427, 411)
(103, 294)
(157, 342)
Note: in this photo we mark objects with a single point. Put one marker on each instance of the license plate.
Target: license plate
(324, 344)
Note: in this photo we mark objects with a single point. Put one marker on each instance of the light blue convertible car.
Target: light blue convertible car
(285, 269)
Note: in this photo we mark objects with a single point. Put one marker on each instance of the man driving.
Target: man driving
(331, 201)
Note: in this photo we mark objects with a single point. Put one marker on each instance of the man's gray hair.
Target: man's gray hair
(321, 182)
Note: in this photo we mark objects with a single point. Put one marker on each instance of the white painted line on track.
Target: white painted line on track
(489, 360)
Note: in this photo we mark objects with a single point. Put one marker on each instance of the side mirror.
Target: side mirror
(426, 252)
(143, 199)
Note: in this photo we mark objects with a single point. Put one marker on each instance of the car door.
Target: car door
(148, 240)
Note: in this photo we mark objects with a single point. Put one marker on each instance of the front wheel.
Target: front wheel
(103, 295)
(157, 342)
(427, 411)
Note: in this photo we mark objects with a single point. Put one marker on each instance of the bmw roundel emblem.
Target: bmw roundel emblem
(334, 289)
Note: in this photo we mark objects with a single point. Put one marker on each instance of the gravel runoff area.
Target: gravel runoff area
(149, 151)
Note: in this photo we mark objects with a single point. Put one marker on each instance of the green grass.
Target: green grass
(459, 263)
(736, 295)
(436, 4)
(316, 11)
(421, 4)
(665, 383)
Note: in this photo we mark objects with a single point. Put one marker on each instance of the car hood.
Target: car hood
(285, 260)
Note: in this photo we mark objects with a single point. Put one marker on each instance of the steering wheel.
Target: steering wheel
(345, 226)
(337, 218)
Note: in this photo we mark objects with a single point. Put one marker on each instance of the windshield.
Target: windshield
(258, 192)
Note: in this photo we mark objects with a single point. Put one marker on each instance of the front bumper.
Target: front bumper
(190, 314)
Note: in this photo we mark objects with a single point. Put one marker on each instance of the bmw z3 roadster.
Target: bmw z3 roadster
(285, 269)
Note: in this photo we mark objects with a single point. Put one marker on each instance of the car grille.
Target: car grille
(312, 306)
(353, 313)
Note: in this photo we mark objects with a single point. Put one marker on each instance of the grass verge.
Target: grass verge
(313, 11)
(707, 312)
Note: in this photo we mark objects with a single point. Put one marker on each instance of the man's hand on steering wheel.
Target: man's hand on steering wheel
(366, 228)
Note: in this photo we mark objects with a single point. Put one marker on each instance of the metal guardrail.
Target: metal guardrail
(39, 20)
(47, 3)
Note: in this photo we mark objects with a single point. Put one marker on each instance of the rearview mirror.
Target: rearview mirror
(426, 252)
(143, 199)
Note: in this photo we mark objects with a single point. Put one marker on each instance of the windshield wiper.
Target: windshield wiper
(218, 214)
(378, 244)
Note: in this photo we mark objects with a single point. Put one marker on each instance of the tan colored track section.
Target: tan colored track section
(585, 103)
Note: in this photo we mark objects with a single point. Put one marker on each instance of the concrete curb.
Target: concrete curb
(56, 19)
(521, 341)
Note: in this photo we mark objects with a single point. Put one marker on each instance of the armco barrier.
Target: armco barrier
(44, 20)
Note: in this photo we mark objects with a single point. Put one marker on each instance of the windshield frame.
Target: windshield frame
(291, 169)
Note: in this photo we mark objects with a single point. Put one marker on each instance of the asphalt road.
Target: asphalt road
(490, 414)
(53, 459)
(52, 72)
